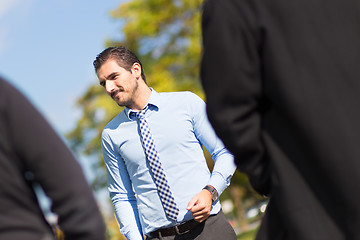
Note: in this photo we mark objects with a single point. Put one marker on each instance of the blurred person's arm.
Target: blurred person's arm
(231, 77)
(53, 166)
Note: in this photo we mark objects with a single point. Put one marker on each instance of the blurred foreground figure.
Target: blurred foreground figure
(282, 81)
(32, 153)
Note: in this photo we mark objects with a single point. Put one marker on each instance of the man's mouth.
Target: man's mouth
(113, 94)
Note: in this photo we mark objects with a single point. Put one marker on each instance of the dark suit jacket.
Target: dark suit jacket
(32, 153)
(282, 81)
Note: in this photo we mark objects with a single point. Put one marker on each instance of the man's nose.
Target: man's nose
(109, 86)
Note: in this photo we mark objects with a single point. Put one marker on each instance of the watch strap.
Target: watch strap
(213, 192)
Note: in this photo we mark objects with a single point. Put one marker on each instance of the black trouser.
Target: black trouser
(214, 228)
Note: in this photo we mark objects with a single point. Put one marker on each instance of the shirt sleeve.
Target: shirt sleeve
(121, 191)
(224, 166)
(42, 153)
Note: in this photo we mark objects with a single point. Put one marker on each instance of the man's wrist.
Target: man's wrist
(213, 191)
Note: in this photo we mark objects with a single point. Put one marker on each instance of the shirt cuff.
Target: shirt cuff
(218, 182)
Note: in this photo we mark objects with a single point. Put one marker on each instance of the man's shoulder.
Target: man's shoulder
(182, 100)
(181, 95)
(116, 121)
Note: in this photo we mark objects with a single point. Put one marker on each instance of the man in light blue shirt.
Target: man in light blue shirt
(180, 129)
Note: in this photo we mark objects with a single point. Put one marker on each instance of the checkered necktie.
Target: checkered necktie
(159, 175)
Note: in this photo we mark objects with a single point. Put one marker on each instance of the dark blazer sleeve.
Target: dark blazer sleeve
(230, 75)
(41, 152)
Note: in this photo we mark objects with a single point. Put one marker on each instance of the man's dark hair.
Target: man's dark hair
(123, 56)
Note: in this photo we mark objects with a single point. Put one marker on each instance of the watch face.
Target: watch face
(215, 195)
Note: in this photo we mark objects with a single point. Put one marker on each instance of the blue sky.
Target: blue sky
(47, 49)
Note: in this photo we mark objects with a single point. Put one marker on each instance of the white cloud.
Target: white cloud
(10, 11)
(6, 5)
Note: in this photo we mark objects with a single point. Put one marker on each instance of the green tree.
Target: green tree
(166, 36)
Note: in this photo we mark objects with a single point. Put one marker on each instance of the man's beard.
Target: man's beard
(131, 95)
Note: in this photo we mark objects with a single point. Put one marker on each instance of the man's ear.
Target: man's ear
(136, 70)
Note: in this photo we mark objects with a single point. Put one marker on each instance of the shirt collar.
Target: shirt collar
(153, 102)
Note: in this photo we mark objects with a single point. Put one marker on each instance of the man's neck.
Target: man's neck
(142, 97)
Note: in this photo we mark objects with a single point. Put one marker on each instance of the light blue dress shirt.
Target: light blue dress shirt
(180, 128)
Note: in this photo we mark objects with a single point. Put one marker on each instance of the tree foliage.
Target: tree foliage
(166, 36)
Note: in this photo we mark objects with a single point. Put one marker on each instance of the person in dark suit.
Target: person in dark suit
(32, 153)
(282, 81)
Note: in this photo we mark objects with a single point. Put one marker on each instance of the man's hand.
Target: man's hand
(200, 205)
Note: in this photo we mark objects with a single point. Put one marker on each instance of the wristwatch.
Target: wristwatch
(213, 192)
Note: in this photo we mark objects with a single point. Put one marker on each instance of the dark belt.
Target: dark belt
(180, 229)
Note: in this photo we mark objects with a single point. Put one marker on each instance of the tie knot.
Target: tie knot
(141, 113)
